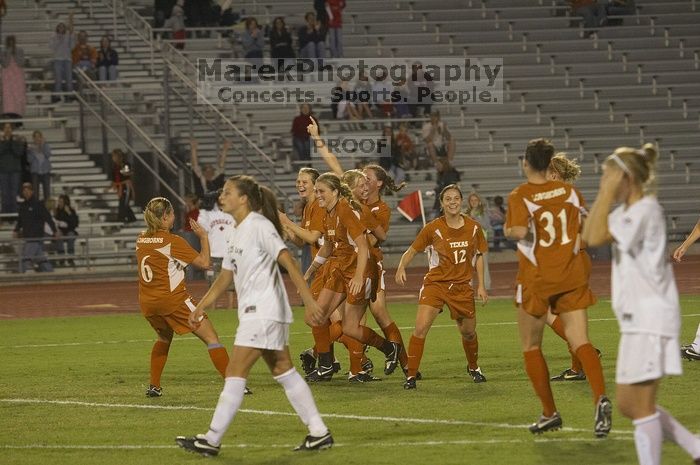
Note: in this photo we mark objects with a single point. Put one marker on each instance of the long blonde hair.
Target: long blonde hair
(335, 183)
(565, 167)
(638, 164)
(153, 214)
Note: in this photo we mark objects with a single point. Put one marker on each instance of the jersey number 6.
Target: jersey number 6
(146, 271)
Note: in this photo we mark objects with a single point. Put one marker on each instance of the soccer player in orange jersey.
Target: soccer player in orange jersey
(545, 217)
(346, 249)
(164, 300)
(456, 245)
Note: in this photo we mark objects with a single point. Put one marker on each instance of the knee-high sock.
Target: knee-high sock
(219, 357)
(537, 371)
(356, 350)
(648, 437)
(372, 338)
(471, 350)
(302, 401)
(335, 330)
(229, 403)
(558, 327)
(392, 333)
(159, 355)
(676, 432)
(415, 354)
(594, 371)
(322, 337)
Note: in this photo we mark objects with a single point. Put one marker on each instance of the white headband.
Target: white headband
(620, 163)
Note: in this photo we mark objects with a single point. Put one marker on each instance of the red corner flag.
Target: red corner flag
(411, 207)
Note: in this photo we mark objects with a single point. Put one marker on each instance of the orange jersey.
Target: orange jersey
(162, 259)
(340, 227)
(451, 258)
(312, 220)
(552, 213)
(381, 212)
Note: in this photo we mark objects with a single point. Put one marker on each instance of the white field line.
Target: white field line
(191, 338)
(433, 421)
(461, 442)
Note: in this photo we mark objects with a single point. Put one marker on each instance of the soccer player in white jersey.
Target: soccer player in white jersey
(690, 351)
(218, 225)
(644, 297)
(255, 249)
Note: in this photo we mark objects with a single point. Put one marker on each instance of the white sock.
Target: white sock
(696, 342)
(229, 403)
(647, 439)
(300, 397)
(677, 433)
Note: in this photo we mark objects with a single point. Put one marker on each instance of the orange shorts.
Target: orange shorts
(317, 281)
(459, 298)
(537, 304)
(339, 282)
(176, 321)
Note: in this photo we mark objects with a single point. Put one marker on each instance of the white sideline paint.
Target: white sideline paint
(291, 446)
(186, 338)
(289, 414)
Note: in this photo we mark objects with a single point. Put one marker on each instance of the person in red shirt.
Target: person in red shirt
(300, 136)
(456, 245)
(335, 8)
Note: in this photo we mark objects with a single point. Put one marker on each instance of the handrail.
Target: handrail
(132, 126)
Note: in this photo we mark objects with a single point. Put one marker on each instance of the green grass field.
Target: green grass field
(72, 392)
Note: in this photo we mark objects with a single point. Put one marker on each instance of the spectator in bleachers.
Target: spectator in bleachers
(321, 13)
(300, 136)
(123, 185)
(394, 163)
(497, 217)
(334, 9)
(107, 61)
(420, 80)
(176, 23)
(208, 178)
(620, 7)
(281, 42)
(363, 89)
(401, 107)
(407, 146)
(191, 213)
(197, 13)
(84, 55)
(312, 37)
(31, 218)
(446, 175)
(61, 44)
(39, 157)
(161, 11)
(476, 210)
(67, 222)
(381, 90)
(253, 41)
(347, 109)
(14, 85)
(12, 152)
(592, 12)
(438, 139)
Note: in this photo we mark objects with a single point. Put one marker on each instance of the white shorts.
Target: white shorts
(645, 357)
(381, 286)
(262, 334)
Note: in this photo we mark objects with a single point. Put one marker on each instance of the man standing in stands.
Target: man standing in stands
(12, 150)
(32, 216)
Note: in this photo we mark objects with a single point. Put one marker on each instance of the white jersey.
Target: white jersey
(251, 255)
(644, 293)
(218, 225)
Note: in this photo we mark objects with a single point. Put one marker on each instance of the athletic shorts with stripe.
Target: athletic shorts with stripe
(177, 320)
(537, 304)
(339, 282)
(459, 298)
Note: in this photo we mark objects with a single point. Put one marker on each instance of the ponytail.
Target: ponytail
(640, 165)
(269, 209)
(153, 214)
(387, 181)
(260, 199)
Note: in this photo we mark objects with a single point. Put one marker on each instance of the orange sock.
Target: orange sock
(322, 338)
(371, 338)
(537, 371)
(471, 350)
(159, 355)
(356, 350)
(393, 334)
(219, 356)
(594, 371)
(335, 330)
(415, 354)
(575, 362)
(558, 327)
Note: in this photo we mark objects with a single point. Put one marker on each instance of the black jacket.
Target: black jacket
(32, 215)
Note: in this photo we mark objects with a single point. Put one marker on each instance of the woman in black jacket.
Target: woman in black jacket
(67, 222)
(280, 42)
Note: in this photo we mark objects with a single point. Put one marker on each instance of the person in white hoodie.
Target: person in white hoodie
(218, 226)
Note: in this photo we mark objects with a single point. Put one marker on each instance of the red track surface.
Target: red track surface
(99, 298)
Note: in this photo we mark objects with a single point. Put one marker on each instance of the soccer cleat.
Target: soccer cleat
(154, 391)
(419, 376)
(689, 354)
(336, 366)
(308, 361)
(569, 375)
(367, 365)
(362, 377)
(247, 391)
(316, 442)
(410, 383)
(603, 417)
(545, 424)
(477, 375)
(392, 359)
(198, 444)
(320, 374)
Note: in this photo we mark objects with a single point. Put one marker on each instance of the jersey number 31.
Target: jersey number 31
(548, 219)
